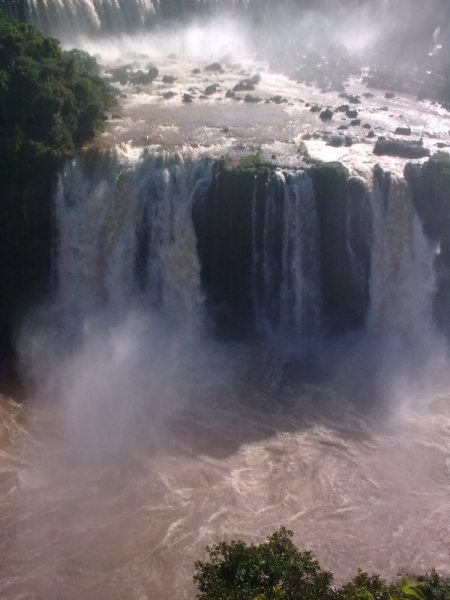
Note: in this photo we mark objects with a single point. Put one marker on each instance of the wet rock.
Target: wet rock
(172, 56)
(256, 78)
(348, 141)
(307, 104)
(326, 114)
(278, 100)
(196, 71)
(353, 99)
(342, 127)
(315, 108)
(141, 78)
(187, 98)
(116, 116)
(441, 145)
(352, 114)
(403, 131)
(430, 187)
(367, 126)
(345, 299)
(120, 75)
(385, 108)
(336, 141)
(355, 122)
(203, 97)
(342, 108)
(252, 99)
(152, 72)
(214, 68)
(169, 95)
(211, 89)
(402, 148)
(244, 86)
(389, 95)
(168, 79)
(368, 95)
(371, 134)
(230, 94)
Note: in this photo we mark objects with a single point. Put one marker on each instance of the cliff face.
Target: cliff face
(279, 251)
(25, 254)
(287, 250)
(430, 188)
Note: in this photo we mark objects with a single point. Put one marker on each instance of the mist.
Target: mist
(374, 32)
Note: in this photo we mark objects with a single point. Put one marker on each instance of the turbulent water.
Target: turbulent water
(150, 429)
(147, 439)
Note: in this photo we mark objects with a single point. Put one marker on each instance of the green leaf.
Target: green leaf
(411, 587)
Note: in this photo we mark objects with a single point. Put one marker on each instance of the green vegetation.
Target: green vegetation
(51, 102)
(276, 569)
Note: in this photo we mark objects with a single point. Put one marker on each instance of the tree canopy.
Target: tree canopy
(51, 101)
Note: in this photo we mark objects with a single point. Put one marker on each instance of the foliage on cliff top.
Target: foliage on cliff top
(50, 102)
(277, 570)
(252, 164)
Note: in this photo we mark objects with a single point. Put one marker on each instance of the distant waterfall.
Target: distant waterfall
(93, 17)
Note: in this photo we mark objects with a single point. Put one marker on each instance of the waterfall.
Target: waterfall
(279, 254)
(94, 17)
(287, 262)
(125, 230)
(402, 276)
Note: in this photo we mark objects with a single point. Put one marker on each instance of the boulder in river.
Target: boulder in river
(152, 72)
(252, 99)
(244, 86)
(326, 114)
(214, 68)
(403, 131)
(211, 89)
(402, 148)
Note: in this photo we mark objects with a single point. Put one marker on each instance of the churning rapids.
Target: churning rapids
(147, 434)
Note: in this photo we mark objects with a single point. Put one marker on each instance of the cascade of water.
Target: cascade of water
(300, 295)
(402, 277)
(289, 300)
(61, 17)
(126, 228)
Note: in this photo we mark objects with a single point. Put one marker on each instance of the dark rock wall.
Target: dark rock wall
(230, 223)
(25, 254)
(430, 188)
(230, 227)
(345, 241)
(223, 225)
